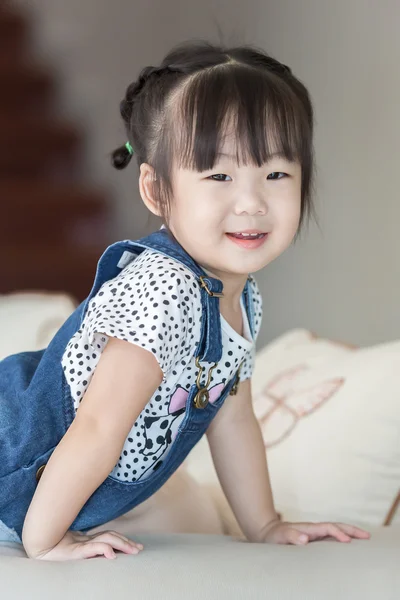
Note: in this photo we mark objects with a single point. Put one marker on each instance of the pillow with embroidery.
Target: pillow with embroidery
(330, 419)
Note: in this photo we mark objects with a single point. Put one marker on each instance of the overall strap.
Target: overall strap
(118, 255)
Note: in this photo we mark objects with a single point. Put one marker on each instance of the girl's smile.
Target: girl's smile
(249, 239)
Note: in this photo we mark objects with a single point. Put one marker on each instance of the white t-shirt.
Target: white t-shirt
(155, 302)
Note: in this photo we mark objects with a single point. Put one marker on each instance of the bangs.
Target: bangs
(256, 107)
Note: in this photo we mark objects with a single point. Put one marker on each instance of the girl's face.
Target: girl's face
(212, 211)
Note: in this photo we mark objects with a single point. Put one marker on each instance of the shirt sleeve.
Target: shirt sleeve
(248, 364)
(154, 308)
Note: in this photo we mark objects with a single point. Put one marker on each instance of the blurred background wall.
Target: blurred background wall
(342, 279)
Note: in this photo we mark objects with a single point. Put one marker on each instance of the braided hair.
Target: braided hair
(122, 156)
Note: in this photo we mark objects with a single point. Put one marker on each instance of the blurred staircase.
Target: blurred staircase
(53, 228)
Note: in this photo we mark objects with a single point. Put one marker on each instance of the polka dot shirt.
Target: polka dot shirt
(155, 303)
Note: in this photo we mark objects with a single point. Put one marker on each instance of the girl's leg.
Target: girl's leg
(181, 506)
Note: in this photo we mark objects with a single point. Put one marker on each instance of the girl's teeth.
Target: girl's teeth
(248, 235)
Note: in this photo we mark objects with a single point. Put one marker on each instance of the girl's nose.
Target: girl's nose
(251, 204)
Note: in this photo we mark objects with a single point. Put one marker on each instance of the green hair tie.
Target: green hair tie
(129, 147)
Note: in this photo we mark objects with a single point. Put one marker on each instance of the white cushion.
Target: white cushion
(29, 320)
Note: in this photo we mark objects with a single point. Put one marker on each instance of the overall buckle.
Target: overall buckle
(204, 285)
(201, 399)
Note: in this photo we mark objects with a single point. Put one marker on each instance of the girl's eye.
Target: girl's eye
(276, 173)
(218, 175)
(272, 176)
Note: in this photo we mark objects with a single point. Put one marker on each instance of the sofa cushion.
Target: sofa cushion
(207, 566)
(29, 320)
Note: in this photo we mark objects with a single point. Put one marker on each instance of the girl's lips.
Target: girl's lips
(250, 242)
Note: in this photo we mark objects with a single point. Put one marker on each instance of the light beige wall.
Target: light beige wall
(345, 280)
(341, 280)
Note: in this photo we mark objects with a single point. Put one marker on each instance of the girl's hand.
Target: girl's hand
(76, 545)
(302, 533)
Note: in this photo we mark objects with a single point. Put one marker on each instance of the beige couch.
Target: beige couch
(199, 567)
(194, 565)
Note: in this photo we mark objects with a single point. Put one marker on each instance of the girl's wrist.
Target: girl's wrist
(274, 519)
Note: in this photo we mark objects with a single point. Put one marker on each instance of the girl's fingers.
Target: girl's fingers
(293, 536)
(137, 544)
(336, 532)
(116, 533)
(320, 530)
(340, 531)
(114, 540)
(287, 535)
(354, 531)
(92, 549)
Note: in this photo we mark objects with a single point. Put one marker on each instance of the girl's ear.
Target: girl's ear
(147, 176)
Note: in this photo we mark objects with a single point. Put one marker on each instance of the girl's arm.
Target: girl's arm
(122, 384)
(238, 452)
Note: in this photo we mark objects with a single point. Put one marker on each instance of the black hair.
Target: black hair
(206, 88)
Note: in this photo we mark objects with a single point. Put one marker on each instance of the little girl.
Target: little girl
(162, 350)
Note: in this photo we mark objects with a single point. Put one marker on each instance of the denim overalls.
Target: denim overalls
(36, 407)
